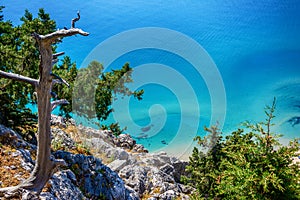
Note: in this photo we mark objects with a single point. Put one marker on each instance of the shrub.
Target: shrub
(248, 164)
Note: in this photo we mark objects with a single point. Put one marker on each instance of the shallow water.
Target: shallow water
(254, 45)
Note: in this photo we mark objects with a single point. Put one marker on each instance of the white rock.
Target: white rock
(117, 165)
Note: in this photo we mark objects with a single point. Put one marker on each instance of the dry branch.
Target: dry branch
(56, 103)
(54, 61)
(75, 20)
(18, 77)
(53, 94)
(59, 80)
(52, 37)
(44, 164)
(54, 56)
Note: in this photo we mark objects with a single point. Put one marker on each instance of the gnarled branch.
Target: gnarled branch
(59, 80)
(54, 56)
(75, 20)
(18, 77)
(51, 37)
(56, 103)
(54, 61)
(53, 94)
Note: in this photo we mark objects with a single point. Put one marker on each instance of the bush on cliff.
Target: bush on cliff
(245, 164)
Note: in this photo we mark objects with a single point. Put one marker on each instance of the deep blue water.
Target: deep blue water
(255, 46)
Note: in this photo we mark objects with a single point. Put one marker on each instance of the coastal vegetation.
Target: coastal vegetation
(29, 56)
(249, 163)
(20, 55)
(42, 87)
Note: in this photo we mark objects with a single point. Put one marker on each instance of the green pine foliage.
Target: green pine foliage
(109, 86)
(68, 71)
(247, 164)
(94, 92)
(20, 55)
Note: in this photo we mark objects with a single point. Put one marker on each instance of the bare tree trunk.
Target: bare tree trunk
(45, 163)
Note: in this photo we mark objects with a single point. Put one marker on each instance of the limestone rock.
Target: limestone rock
(155, 174)
(59, 137)
(168, 195)
(64, 186)
(117, 165)
(61, 121)
(131, 174)
(96, 179)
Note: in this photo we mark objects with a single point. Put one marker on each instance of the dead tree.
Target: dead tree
(45, 162)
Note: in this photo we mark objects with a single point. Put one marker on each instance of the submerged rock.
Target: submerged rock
(294, 121)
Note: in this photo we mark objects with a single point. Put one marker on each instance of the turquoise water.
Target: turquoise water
(255, 47)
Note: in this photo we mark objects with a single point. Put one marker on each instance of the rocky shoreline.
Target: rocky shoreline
(117, 169)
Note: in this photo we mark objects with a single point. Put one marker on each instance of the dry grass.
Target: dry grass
(146, 196)
(104, 158)
(11, 172)
(10, 167)
(47, 187)
(73, 132)
(80, 147)
(156, 190)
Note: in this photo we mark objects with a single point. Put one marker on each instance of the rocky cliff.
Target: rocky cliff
(99, 165)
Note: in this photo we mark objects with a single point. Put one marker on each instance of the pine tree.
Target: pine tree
(20, 55)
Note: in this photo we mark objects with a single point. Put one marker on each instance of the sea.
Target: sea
(200, 63)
